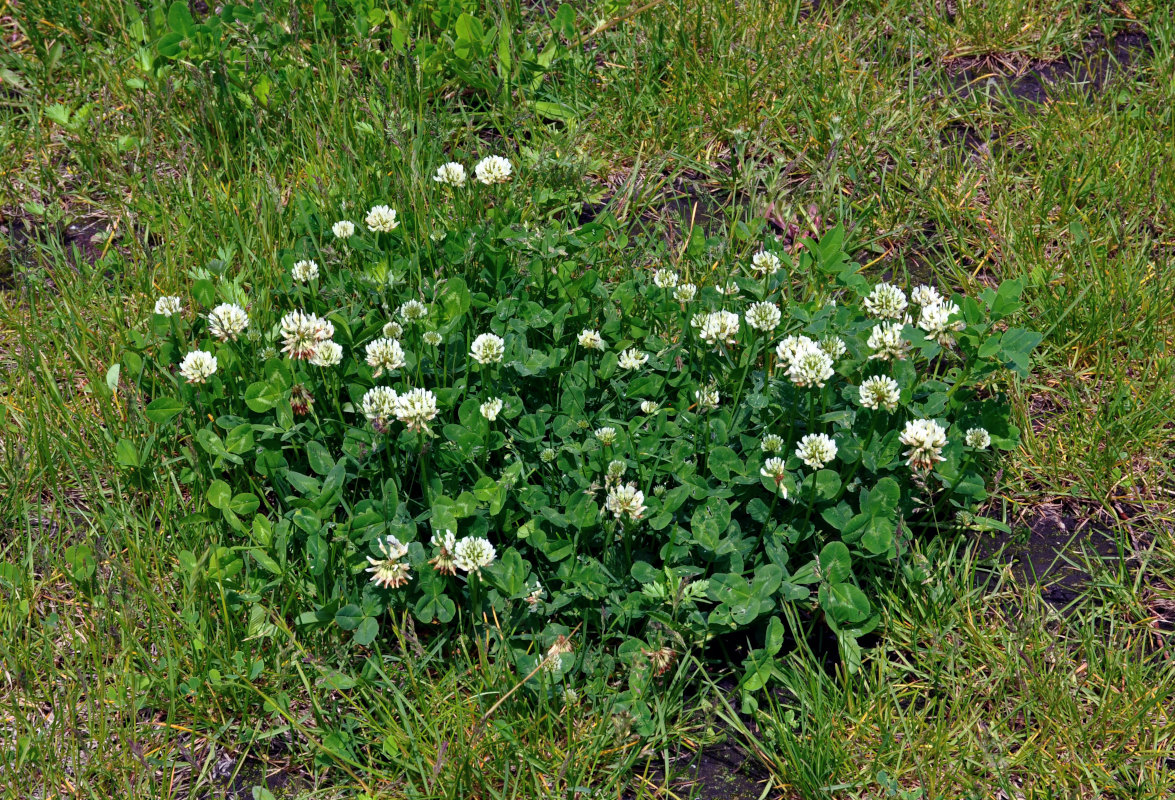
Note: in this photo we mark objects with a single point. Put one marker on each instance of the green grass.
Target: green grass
(137, 682)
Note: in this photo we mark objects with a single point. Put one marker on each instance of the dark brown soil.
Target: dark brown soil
(721, 771)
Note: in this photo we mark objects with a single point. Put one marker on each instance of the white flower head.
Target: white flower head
(446, 545)
(591, 340)
(834, 346)
(304, 271)
(791, 347)
(388, 570)
(774, 469)
(343, 229)
(379, 406)
(719, 328)
(707, 397)
(433, 338)
(227, 321)
(392, 330)
(925, 295)
(487, 349)
(327, 354)
(198, 366)
(731, 288)
(763, 316)
(771, 443)
(450, 174)
(413, 311)
(606, 435)
(168, 304)
(384, 355)
(978, 438)
(625, 501)
(685, 293)
(632, 359)
(547, 455)
(615, 471)
(493, 169)
(491, 408)
(937, 322)
(926, 439)
(816, 450)
(650, 406)
(887, 343)
(416, 408)
(473, 553)
(665, 279)
(880, 391)
(381, 219)
(302, 333)
(886, 301)
(765, 263)
(810, 365)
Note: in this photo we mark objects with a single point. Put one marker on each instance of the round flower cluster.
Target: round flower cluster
(450, 174)
(487, 348)
(816, 450)
(978, 438)
(765, 263)
(926, 439)
(632, 359)
(379, 406)
(227, 321)
(887, 343)
(763, 316)
(880, 391)
(665, 279)
(717, 328)
(198, 366)
(886, 301)
(343, 229)
(413, 311)
(808, 363)
(606, 435)
(304, 271)
(303, 333)
(473, 554)
(773, 468)
(168, 304)
(625, 501)
(591, 340)
(327, 354)
(385, 355)
(491, 408)
(493, 169)
(940, 321)
(381, 219)
(685, 293)
(707, 397)
(416, 408)
(389, 571)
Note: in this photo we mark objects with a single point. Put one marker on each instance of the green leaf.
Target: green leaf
(319, 457)
(261, 396)
(179, 18)
(836, 564)
(163, 409)
(219, 495)
(366, 632)
(348, 617)
(240, 439)
(126, 454)
(266, 561)
(244, 504)
(81, 561)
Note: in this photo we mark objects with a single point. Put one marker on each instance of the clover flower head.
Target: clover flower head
(302, 333)
(446, 544)
(810, 366)
(606, 435)
(886, 301)
(493, 169)
(301, 400)
(978, 438)
(198, 366)
(632, 359)
(227, 321)
(433, 338)
(719, 328)
(379, 406)
(774, 469)
(707, 397)
(816, 450)
(685, 293)
(267, 352)
(887, 343)
(650, 406)
(473, 553)
(535, 597)
(491, 408)
(327, 354)
(771, 443)
(880, 391)
(450, 174)
(926, 439)
(787, 350)
(625, 500)
(731, 288)
(924, 295)
(937, 322)
(381, 219)
(304, 271)
(665, 279)
(834, 346)
(384, 355)
(615, 471)
(343, 229)
(413, 311)
(392, 330)
(547, 455)
(763, 316)
(416, 408)
(765, 263)
(169, 304)
(591, 340)
(487, 348)
(388, 570)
